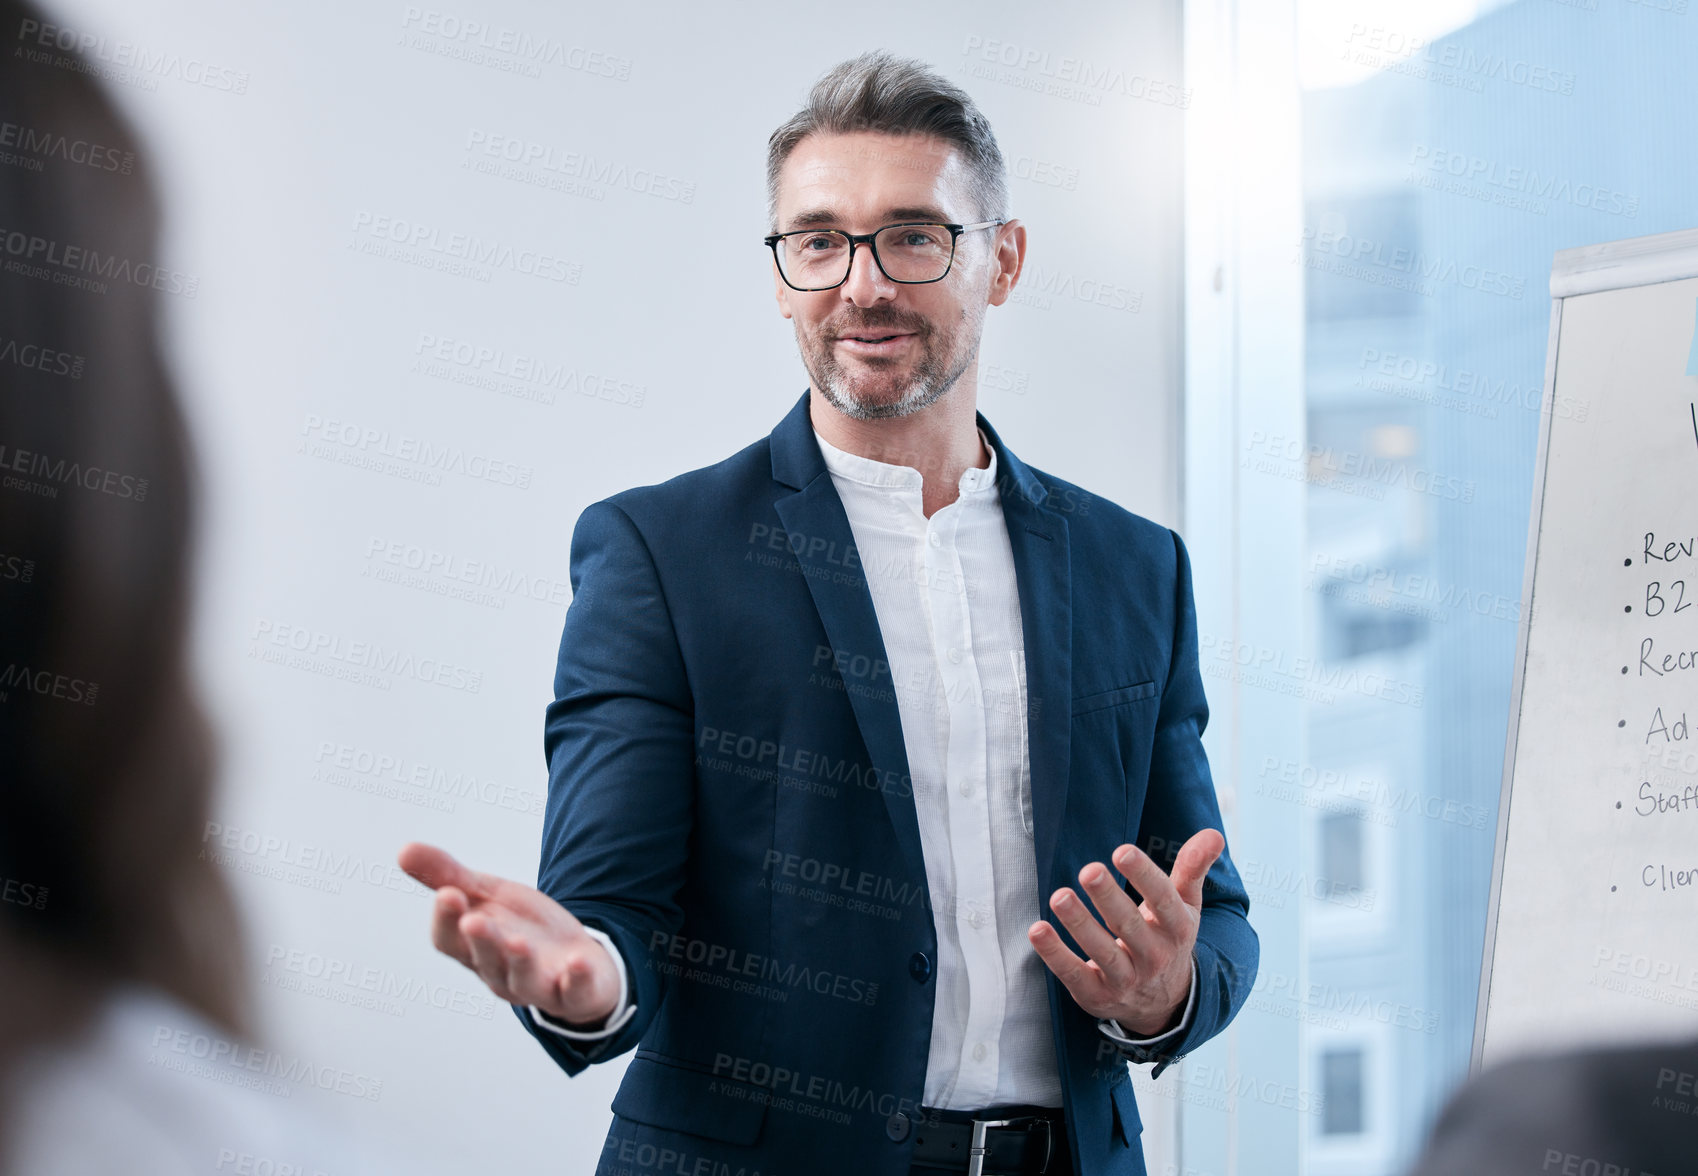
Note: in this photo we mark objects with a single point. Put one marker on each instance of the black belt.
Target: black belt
(1033, 1143)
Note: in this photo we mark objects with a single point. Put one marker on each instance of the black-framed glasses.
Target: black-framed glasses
(910, 253)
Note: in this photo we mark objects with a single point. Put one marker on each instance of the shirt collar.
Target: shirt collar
(868, 472)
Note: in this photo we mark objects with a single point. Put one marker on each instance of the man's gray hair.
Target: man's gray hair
(879, 91)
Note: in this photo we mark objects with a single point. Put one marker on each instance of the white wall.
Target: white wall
(351, 111)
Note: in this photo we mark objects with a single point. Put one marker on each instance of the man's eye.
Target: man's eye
(819, 244)
(920, 239)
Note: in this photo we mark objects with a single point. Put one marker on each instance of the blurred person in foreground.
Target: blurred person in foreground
(1627, 1110)
(123, 1022)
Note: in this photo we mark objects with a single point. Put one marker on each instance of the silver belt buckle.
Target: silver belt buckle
(977, 1148)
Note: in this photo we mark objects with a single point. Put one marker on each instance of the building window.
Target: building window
(1343, 1099)
(1343, 866)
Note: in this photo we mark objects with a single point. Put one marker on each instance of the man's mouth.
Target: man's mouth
(874, 343)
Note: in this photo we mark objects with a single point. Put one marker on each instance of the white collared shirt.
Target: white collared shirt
(948, 609)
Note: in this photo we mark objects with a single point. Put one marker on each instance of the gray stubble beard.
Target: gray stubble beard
(931, 380)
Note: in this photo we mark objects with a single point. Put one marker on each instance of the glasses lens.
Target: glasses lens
(915, 253)
(814, 260)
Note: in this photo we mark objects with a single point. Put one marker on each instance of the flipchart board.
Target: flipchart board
(1592, 928)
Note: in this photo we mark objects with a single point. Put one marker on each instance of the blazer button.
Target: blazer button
(897, 1126)
(920, 967)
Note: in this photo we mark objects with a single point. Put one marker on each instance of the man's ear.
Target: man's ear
(782, 292)
(1009, 260)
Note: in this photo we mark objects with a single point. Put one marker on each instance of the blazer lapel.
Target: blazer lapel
(820, 534)
(1043, 571)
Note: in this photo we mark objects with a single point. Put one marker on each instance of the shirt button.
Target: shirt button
(936, 542)
(979, 1052)
(966, 788)
(954, 655)
(920, 967)
(896, 1127)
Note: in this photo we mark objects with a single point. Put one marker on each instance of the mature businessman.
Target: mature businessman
(841, 720)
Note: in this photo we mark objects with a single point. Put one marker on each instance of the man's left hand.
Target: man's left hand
(1139, 970)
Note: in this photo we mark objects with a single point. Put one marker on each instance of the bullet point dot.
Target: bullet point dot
(1621, 722)
(1627, 608)
(1618, 804)
(1627, 563)
(1624, 669)
(1612, 890)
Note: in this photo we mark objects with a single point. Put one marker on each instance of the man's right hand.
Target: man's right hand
(525, 946)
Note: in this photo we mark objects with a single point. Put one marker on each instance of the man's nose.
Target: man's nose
(866, 284)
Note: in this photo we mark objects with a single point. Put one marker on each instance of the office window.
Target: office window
(1342, 1078)
(1343, 871)
(1425, 315)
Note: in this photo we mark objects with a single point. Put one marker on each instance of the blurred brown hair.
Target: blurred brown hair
(106, 758)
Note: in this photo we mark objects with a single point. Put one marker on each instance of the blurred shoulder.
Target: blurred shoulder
(1631, 1106)
(152, 1087)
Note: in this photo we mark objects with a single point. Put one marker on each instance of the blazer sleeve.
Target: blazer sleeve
(621, 772)
(1181, 801)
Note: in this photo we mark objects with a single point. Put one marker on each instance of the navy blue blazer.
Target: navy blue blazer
(729, 801)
